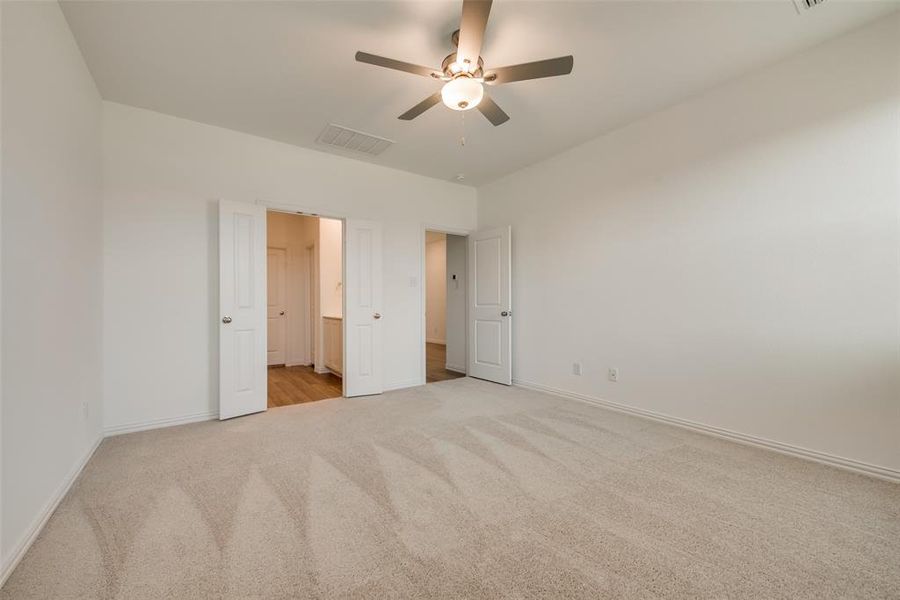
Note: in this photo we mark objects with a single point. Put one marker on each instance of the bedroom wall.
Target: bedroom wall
(51, 267)
(736, 257)
(162, 179)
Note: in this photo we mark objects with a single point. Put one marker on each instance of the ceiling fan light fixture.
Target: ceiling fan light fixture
(462, 93)
(463, 70)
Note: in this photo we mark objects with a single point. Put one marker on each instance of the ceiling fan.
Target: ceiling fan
(464, 72)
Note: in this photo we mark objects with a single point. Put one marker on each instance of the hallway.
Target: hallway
(436, 359)
(296, 385)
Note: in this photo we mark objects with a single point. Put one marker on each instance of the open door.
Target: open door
(242, 309)
(490, 308)
(363, 321)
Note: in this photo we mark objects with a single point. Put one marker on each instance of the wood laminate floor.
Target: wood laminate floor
(436, 359)
(295, 385)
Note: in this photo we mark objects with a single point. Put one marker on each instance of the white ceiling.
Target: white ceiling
(283, 70)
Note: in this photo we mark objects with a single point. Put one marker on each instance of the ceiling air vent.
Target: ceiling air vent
(350, 139)
(804, 5)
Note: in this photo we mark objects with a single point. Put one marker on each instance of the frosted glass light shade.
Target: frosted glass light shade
(462, 93)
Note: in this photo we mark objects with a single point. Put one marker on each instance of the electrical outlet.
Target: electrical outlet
(613, 374)
(86, 408)
(576, 368)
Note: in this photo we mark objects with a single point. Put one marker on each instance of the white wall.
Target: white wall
(331, 266)
(162, 176)
(436, 291)
(3, 564)
(51, 266)
(457, 302)
(330, 280)
(736, 256)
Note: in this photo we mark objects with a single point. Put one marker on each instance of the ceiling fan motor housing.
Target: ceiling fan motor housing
(450, 61)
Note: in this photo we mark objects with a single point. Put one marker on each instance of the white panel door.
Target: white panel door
(242, 304)
(362, 305)
(276, 300)
(490, 305)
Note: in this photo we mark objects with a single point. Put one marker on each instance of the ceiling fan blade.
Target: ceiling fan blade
(533, 70)
(397, 65)
(493, 112)
(474, 20)
(421, 107)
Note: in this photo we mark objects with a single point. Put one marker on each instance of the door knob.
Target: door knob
(505, 313)
(281, 313)
(376, 316)
(226, 319)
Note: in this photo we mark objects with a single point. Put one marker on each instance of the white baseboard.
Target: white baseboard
(436, 341)
(399, 385)
(24, 543)
(157, 423)
(455, 368)
(832, 460)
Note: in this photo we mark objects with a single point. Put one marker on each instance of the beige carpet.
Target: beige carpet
(460, 489)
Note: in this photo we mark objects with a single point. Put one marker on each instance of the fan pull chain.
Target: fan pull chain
(462, 147)
(462, 137)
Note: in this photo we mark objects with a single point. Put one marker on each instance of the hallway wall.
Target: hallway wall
(457, 302)
(294, 233)
(436, 288)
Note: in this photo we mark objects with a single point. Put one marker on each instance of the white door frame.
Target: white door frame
(423, 360)
(304, 212)
(311, 303)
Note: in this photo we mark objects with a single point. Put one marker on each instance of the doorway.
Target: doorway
(304, 308)
(445, 306)
(354, 282)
